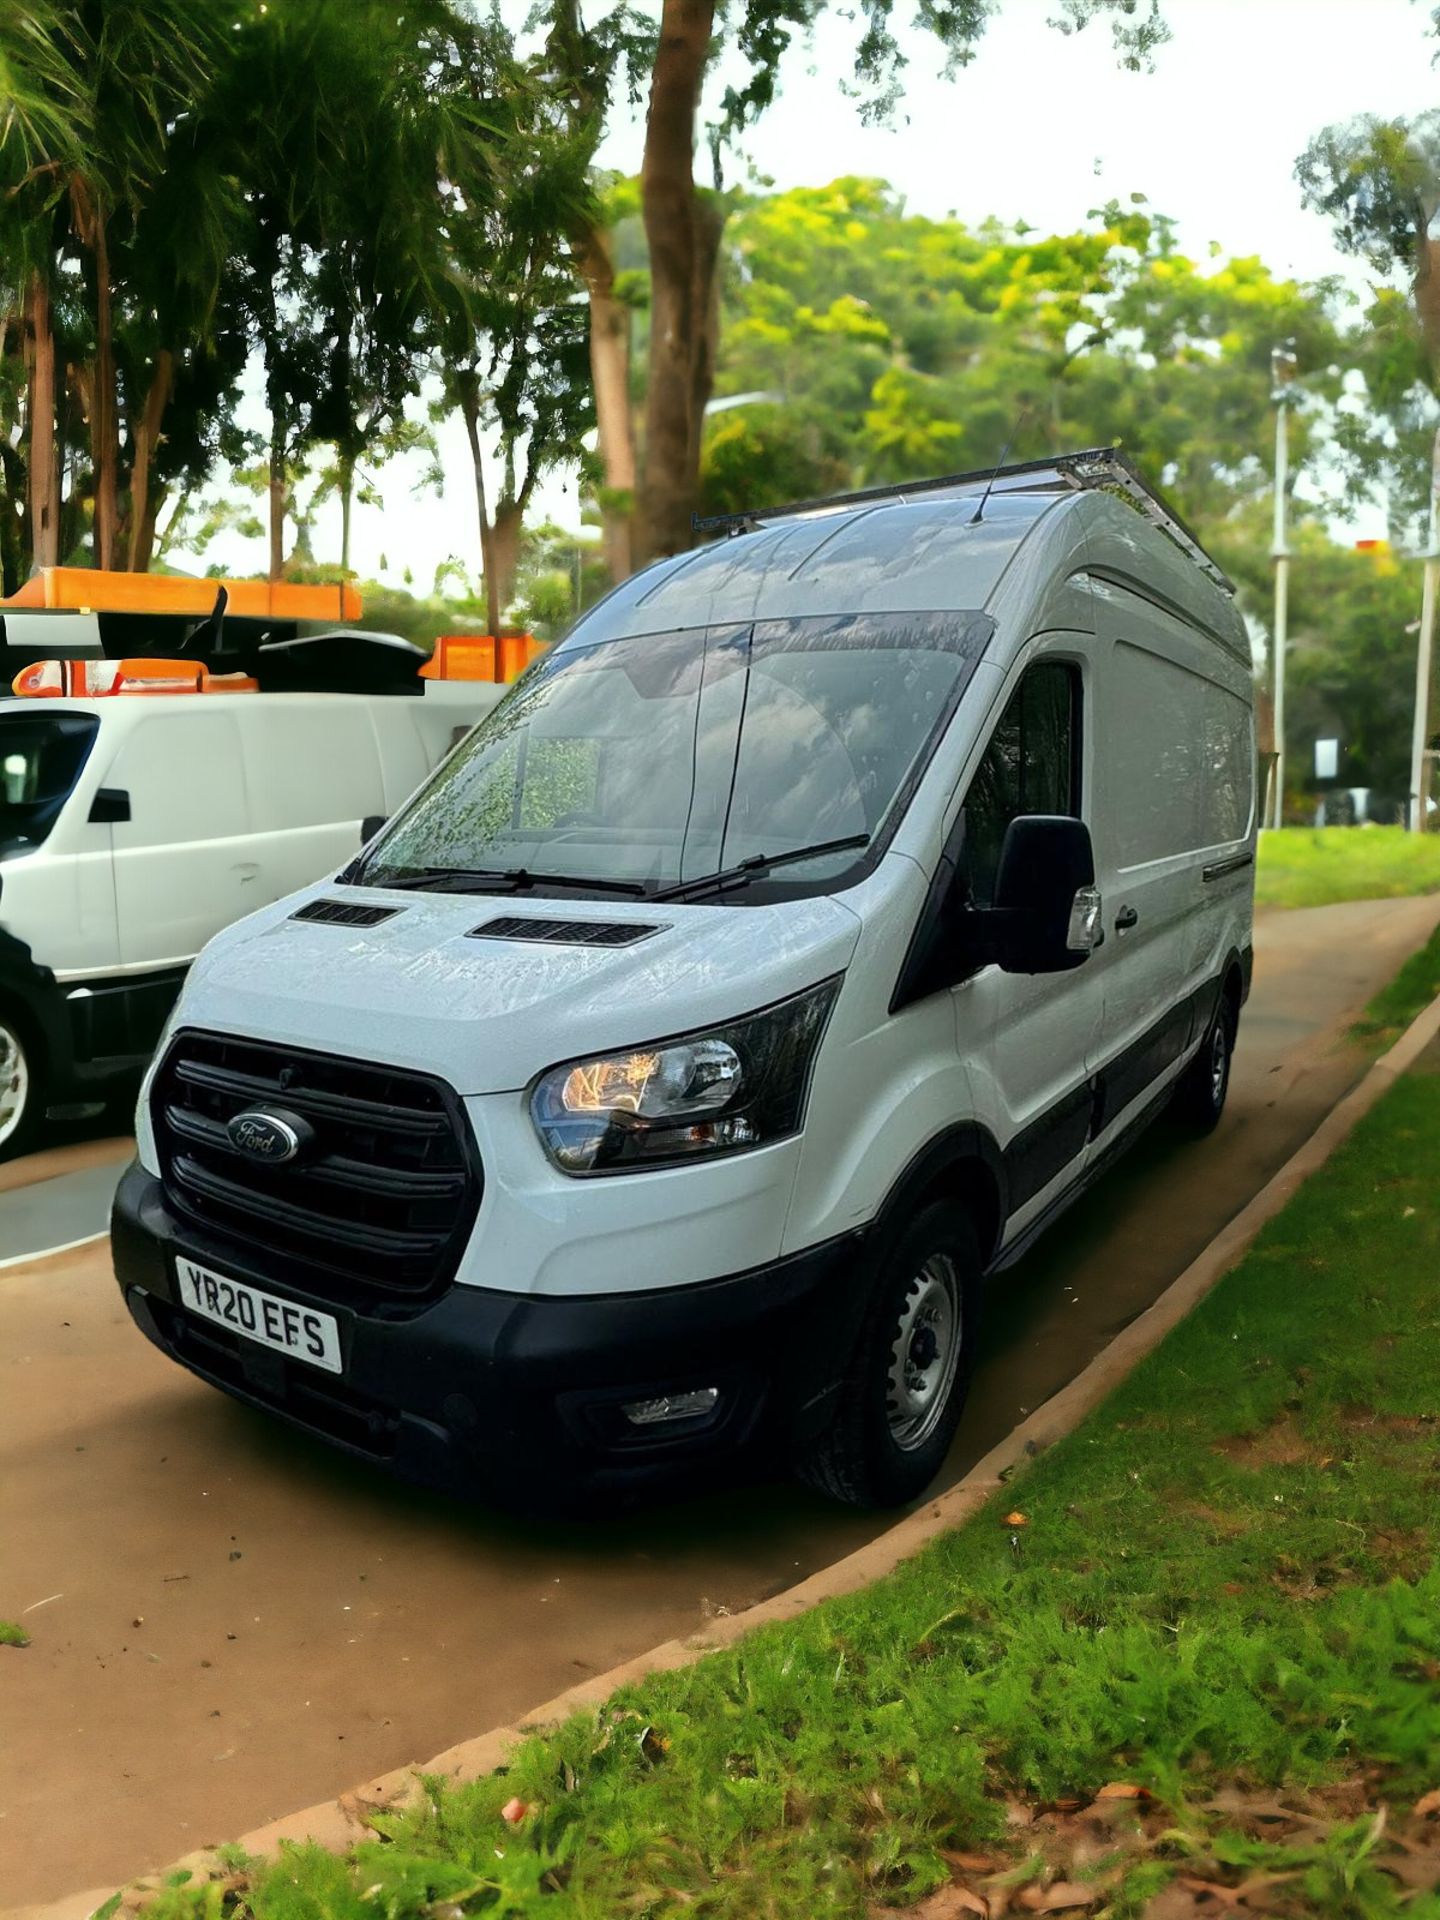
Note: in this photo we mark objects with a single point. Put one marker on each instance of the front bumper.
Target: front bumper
(501, 1393)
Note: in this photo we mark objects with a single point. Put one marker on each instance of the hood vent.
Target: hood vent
(344, 913)
(564, 933)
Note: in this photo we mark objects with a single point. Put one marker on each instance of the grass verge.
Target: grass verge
(1189, 1665)
(1316, 866)
(1396, 1005)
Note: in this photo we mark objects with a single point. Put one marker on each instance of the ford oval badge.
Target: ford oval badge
(269, 1136)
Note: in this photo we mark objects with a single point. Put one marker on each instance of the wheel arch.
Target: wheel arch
(963, 1163)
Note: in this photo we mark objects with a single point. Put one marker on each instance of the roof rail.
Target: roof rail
(1090, 469)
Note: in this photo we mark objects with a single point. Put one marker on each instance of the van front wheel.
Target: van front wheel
(20, 1097)
(901, 1399)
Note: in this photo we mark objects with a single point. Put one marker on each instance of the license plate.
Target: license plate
(300, 1332)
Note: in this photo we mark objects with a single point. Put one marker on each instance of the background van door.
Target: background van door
(1174, 792)
(313, 768)
(183, 863)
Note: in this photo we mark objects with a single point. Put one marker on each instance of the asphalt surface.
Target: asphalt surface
(228, 1623)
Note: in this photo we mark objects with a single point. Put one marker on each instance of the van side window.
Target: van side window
(1032, 765)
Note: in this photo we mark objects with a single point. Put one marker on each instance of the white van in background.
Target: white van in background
(133, 827)
(783, 955)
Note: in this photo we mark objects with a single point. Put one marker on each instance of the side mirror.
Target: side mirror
(1046, 916)
(370, 826)
(110, 807)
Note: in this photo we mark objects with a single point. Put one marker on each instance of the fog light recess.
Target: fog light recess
(672, 1406)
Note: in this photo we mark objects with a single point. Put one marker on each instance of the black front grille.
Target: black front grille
(566, 933)
(380, 1203)
(344, 913)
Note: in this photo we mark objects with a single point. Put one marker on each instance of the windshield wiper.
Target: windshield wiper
(757, 865)
(503, 880)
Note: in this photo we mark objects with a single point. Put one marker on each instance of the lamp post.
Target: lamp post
(1424, 652)
(1282, 372)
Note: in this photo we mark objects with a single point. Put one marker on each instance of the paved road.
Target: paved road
(228, 1623)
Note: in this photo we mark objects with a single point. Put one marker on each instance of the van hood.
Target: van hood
(488, 1012)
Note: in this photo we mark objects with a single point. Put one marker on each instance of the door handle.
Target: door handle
(247, 869)
(1126, 918)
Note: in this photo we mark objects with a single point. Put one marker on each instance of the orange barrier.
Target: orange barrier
(95, 679)
(89, 590)
(479, 656)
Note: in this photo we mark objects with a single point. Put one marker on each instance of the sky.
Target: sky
(1041, 127)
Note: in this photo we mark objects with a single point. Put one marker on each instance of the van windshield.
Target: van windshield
(41, 755)
(657, 759)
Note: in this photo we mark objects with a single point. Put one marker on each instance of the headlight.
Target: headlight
(737, 1086)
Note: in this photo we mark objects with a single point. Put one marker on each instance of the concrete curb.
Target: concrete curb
(337, 1823)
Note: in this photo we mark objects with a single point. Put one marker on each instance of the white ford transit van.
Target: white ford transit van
(135, 826)
(773, 964)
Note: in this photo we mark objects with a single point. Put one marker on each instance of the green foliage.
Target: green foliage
(759, 454)
(12, 1635)
(1316, 866)
(1377, 180)
(1352, 651)
(1228, 1571)
(340, 184)
(898, 346)
(553, 564)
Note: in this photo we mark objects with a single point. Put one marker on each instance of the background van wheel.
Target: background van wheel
(1201, 1090)
(21, 1103)
(909, 1374)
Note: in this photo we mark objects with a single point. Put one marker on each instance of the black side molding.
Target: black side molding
(1218, 869)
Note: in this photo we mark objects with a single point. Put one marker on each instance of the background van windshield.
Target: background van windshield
(659, 758)
(41, 755)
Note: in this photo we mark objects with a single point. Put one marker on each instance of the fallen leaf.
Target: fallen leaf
(948, 1903)
(1056, 1898)
(1016, 1520)
(1427, 1804)
(971, 1862)
(1123, 1790)
(513, 1812)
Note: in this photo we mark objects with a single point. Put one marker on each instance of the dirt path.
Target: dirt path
(228, 1623)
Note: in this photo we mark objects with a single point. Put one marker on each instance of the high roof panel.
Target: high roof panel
(910, 555)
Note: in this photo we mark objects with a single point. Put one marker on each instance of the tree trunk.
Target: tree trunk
(146, 437)
(610, 380)
(347, 495)
(668, 189)
(470, 411)
(1427, 300)
(279, 494)
(142, 533)
(705, 305)
(12, 536)
(44, 476)
(161, 541)
(505, 550)
(104, 415)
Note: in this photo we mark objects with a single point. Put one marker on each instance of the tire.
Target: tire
(22, 1103)
(1201, 1091)
(893, 1424)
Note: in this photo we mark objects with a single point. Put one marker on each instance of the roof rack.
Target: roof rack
(1091, 469)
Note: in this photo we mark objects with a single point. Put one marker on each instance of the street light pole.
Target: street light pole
(1425, 650)
(1282, 372)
